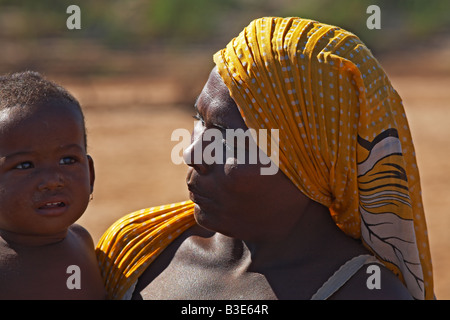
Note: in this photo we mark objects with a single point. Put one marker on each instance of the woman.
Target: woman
(347, 190)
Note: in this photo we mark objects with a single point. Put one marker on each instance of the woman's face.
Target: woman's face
(233, 197)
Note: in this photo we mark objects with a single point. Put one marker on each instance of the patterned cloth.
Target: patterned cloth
(344, 141)
(128, 247)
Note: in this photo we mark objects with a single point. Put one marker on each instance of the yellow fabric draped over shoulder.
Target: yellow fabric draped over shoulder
(133, 242)
(343, 137)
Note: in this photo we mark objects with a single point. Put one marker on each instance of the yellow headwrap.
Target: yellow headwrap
(344, 141)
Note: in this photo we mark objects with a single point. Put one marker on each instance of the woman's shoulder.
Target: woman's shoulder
(373, 281)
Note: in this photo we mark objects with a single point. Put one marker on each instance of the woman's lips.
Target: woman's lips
(197, 196)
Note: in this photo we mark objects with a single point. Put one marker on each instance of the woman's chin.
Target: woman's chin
(205, 219)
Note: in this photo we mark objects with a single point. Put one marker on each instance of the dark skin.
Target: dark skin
(258, 236)
(46, 179)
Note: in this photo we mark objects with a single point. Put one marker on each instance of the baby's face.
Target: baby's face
(46, 177)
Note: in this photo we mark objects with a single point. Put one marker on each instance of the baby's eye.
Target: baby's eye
(67, 160)
(25, 165)
(199, 117)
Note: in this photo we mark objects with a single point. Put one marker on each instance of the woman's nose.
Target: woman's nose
(193, 155)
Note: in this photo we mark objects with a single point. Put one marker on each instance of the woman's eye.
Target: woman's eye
(24, 165)
(67, 160)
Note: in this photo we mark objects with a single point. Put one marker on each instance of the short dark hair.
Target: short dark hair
(30, 88)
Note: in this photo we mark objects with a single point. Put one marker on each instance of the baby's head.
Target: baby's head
(46, 175)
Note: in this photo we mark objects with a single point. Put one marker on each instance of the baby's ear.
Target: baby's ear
(91, 172)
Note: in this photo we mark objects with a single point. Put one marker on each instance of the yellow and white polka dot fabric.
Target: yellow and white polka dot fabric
(344, 139)
(128, 247)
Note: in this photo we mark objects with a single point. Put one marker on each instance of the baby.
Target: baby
(46, 179)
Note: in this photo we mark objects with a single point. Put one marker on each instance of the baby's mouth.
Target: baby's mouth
(52, 208)
(50, 205)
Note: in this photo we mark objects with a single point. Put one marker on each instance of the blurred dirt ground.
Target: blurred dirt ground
(130, 122)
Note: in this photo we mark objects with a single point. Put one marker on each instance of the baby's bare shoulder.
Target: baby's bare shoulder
(43, 272)
(80, 233)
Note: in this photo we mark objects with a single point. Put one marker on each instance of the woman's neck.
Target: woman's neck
(313, 237)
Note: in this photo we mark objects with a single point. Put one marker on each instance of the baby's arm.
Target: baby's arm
(91, 282)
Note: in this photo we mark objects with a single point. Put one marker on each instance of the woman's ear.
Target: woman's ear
(91, 172)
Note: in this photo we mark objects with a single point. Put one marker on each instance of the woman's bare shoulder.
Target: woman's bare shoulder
(373, 282)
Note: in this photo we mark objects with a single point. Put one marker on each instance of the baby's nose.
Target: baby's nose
(51, 179)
